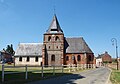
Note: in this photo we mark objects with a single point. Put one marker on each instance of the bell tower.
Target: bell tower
(53, 45)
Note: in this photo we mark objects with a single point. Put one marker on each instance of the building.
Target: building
(28, 54)
(103, 58)
(99, 62)
(5, 57)
(56, 49)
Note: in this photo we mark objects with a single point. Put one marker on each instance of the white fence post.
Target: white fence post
(62, 68)
(2, 72)
(77, 66)
(42, 71)
(54, 70)
(26, 75)
(69, 67)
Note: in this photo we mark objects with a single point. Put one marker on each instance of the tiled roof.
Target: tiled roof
(77, 45)
(102, 55)
(54, 26)
(29, 49)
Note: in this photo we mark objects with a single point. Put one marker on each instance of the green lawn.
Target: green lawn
(115, 76)
(19, 78)
(34, 74)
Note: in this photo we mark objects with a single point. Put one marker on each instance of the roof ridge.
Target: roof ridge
(74, 37)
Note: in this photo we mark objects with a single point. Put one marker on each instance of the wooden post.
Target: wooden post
(54, 70)
(73, 67)
(26, 75)
(42, 71)
(62, 68)
(2, 72)
(69, 67)
(77, 66)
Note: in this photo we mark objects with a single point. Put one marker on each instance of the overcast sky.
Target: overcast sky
(97, 21)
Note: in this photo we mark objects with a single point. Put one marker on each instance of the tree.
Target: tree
(10, 50)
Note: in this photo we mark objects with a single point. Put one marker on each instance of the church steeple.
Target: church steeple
(54, 26)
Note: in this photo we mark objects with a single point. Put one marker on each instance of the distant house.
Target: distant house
(5, 56)
(28, 54)
(104, 58)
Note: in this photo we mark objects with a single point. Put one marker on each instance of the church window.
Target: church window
(20, 59)
(67, 58)
(49, 38)
(28, 59)
(53, 58)
(49, 47)
(36, 59)
(78, 57)
(90, 58)
(57, 47)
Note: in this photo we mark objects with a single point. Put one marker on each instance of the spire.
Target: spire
(54, 26)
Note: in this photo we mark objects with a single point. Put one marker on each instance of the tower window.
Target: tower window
(78, 58)
(57, 38)
(49, 38)
(28, 59)
(53, 58)
(49, 47)
(20, 59)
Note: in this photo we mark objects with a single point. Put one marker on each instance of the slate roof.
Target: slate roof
(29, 49)
(54, 26)
(77, 45)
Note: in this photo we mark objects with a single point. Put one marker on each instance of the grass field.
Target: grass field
(115, 76)
(34, 74)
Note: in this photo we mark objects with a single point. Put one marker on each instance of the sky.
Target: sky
(97, 21)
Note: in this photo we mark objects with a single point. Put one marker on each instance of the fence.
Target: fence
(46, 69)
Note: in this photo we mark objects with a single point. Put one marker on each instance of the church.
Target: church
(56, 49)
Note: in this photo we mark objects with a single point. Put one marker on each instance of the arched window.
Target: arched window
(79, 58)
(57, 38)
(53, 58)
(20, 59)
(67, 58)
(49, 38)
(49, 47)
(90, 58)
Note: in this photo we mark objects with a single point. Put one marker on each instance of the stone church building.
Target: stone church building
(56, 49)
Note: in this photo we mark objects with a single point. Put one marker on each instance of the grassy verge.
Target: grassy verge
(115, 76)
